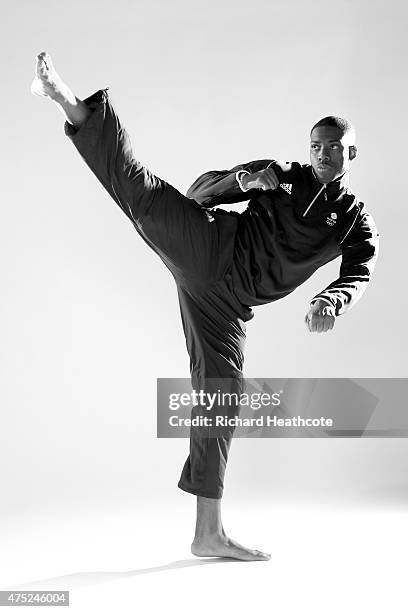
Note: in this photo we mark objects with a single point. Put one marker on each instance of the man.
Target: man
(223, 263)
(311, 218)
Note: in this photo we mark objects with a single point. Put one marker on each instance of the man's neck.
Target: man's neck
(339, 184)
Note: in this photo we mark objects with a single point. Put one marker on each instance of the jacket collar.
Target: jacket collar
(335, 189)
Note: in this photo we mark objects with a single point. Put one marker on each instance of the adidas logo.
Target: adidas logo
(287, 187)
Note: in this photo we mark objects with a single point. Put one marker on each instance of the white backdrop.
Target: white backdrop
(89, 316)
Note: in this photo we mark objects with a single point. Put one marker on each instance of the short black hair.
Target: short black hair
(339, 122)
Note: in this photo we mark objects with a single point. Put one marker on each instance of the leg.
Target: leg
(195, 245)
(213, 322)
(192, 243)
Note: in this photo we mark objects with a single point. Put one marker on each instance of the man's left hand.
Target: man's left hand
(321, 317)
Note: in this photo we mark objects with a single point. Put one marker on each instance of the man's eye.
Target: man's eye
(335, 146)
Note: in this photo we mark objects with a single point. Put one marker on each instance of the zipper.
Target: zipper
(323, 187)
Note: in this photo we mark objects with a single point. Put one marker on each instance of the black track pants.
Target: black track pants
(197, 247)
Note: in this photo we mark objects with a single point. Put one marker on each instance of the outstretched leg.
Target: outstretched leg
(192, 243)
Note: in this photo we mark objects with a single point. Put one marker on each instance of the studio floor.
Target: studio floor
(138, 558)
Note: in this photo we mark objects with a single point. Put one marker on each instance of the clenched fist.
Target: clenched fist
(264, 179)
(321, 317)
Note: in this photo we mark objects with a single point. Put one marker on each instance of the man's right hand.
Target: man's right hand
(264, 179)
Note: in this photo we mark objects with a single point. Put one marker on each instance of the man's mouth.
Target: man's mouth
(323, 166)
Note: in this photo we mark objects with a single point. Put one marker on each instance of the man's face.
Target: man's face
(330, 152)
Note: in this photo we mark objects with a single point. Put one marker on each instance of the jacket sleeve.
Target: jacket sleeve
(359, 255)
(222, 187)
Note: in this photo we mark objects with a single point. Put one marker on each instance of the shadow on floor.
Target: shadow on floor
(85, 579)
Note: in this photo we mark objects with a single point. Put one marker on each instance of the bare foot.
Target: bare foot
(47, 81)
(219, 545)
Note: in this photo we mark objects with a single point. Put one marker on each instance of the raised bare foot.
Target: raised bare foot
(47, 81)
(222, 546)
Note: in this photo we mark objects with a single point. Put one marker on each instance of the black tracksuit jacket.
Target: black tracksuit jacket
(286, 234)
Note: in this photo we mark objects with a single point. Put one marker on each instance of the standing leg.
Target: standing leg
(214, 327)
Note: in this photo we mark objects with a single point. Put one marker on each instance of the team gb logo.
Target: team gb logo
(332, 219)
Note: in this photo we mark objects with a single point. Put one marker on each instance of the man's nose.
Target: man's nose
(324, 155)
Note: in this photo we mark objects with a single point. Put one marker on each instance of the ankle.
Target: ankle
(65, 98)
(209, 534)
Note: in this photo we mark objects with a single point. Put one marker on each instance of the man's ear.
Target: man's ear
(352, 152)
